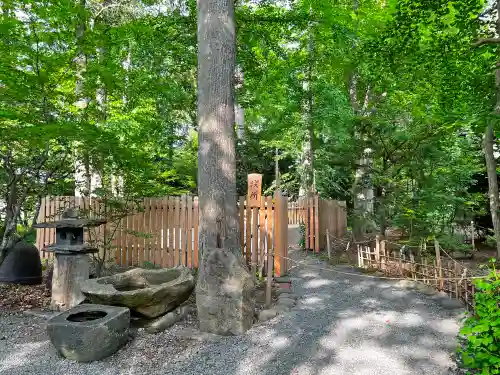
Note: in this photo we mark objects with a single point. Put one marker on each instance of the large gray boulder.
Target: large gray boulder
(149, 292)
(224, 293)
(88, 333)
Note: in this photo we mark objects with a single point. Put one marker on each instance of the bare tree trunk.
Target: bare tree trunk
(238, 109)
(219, 225)
(38, 206)
(491, 168)
(224, 289)
(307, 178)
(82, 166)
(491, 165)
(362, 189)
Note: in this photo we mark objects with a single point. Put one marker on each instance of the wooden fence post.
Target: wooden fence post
(438, 264)
(280, 234)
(316, 222)
(377, 251)
(413, 266)
(383, 255)
(457, 284)
(472, 230)
(269, 276)
(328, 244)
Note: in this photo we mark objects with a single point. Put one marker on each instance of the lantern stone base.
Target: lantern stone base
(70, 270)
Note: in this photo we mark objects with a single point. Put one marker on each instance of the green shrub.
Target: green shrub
(453, 242)
(491, 241)
(480, 349)
(302, 242)
(150, 265)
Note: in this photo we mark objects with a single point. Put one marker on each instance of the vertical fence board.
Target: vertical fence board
(306, 223)
(262, 232)
(159, 241)
(189, 232)
(316, 223)
(255, 239)
(270, 225)
(177, 229)
(241, 217)
(248, 232)
(168, 233)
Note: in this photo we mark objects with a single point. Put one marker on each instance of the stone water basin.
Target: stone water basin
(148, 292)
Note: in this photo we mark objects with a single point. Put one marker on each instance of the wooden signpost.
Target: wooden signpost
(254, 195)
(254, 190)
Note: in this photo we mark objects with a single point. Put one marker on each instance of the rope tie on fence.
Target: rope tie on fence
(462, 278)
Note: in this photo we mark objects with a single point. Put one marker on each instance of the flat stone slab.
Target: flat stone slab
(194, 334)
(410, 284)
(282, 280)
(452, 304)
(279, 291)
(149, 292)
(286, 302)
(168, 320)
(288, 295)
(427, 290)
(40, 314)
(282, 308)
(89, 333)
(266, 315)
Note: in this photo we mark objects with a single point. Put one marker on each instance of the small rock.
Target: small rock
(282, 280)
(163, 322)
(407, 284)
(288, 302)
(427, 290)
(452, 304)
(266, 315)
(168, 320)
(439, 296)
(288, 295)
(280, 291)
(282, 308)
(194, 334)
(40, 314)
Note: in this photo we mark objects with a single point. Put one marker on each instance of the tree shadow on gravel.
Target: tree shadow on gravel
(342, 325)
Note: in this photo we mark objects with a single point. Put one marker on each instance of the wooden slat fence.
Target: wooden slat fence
(164, 231)
(319, 216)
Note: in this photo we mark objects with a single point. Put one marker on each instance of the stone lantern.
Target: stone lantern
(72, 262)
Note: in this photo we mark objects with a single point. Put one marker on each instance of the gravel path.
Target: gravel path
(341, 325)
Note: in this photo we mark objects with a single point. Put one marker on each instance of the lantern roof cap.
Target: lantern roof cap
(70, 219)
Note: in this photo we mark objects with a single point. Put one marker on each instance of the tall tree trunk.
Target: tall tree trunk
(83, 176)
(307, 177)
(224, 289)
(218, 225)
(238, 109)
(362, 189)
(491, 165)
